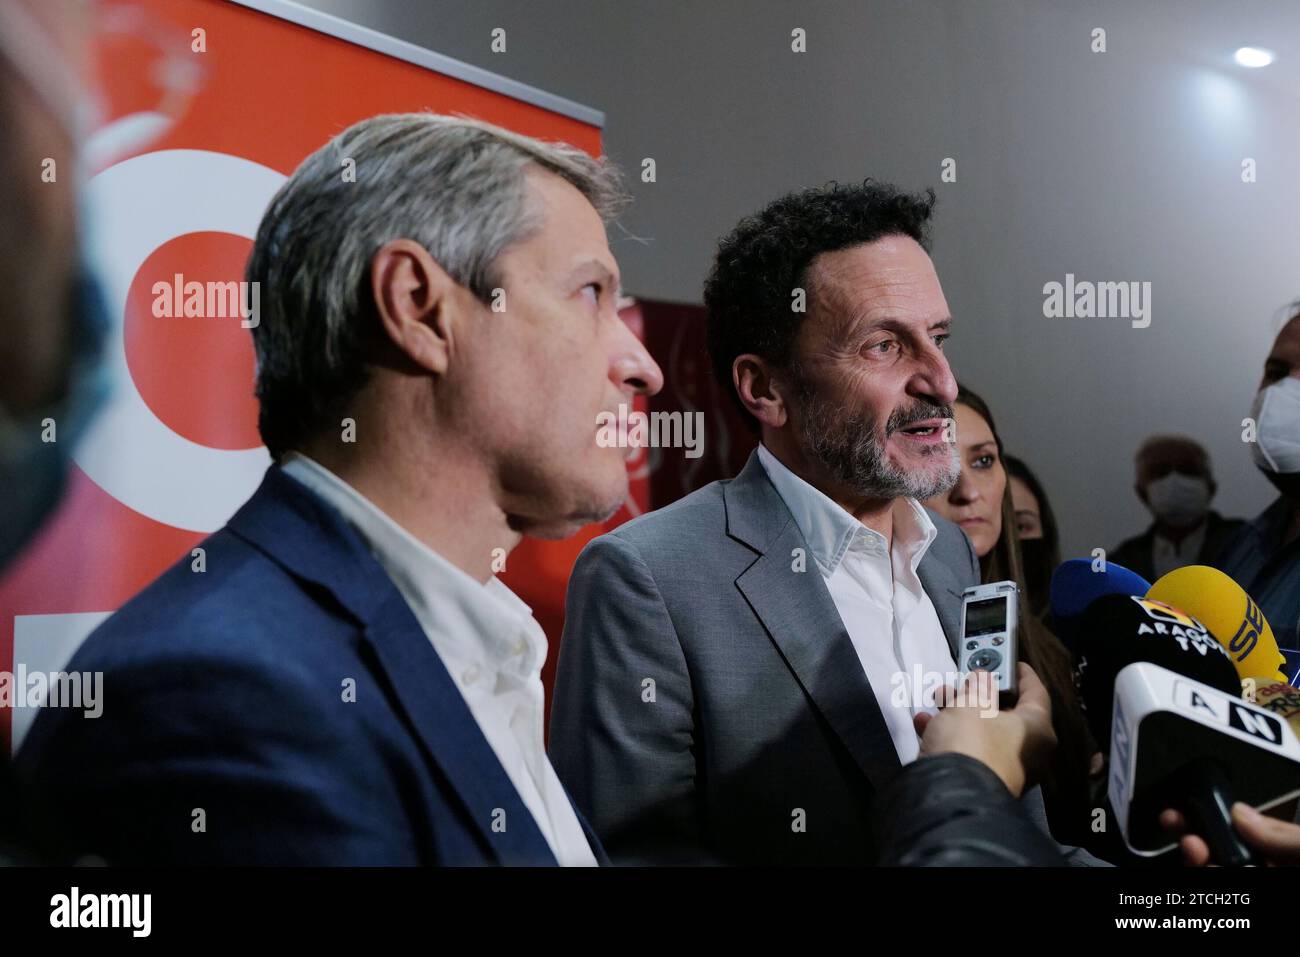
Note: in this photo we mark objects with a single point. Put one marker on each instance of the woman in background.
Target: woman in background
(1040, 546)
(981, 504)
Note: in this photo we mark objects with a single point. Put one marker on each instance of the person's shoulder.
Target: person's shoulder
(701, 513)
(668, 544)
(226, 653)
(1221, 534)
(1223, 525)
(224, 600)
(949, 539)
(1130, 547)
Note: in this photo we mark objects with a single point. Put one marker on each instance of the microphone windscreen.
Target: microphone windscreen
(1210, 596)
(1281, 699)
(1078, 582)
(1117, 630)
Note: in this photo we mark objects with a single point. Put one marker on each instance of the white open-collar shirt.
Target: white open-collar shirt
(489, 642)
(881, 602)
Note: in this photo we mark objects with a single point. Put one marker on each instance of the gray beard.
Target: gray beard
(844, 442)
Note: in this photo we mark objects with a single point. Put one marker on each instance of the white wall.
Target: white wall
(1116, 166)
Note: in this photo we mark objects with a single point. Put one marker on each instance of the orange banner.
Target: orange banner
(210, 106)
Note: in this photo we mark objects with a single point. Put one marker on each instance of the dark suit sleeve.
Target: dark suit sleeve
(950, 810)
(291, 779)
(621, 721)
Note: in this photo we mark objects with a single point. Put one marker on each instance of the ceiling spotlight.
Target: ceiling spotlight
(1254, 57)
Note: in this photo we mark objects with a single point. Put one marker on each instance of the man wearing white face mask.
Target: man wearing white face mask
(1264, 557)
(1174, 481)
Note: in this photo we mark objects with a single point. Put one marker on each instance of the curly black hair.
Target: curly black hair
(749, 291)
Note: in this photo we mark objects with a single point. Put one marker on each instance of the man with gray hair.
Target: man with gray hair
(346, 682)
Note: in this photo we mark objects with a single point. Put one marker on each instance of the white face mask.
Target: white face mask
(1277, 420)
(1179, 499)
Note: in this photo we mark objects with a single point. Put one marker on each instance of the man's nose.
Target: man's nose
(632, 369)
(934, 377)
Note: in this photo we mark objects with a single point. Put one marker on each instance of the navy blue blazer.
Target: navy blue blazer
(227, 734)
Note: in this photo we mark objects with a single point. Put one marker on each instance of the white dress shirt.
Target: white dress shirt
(885, 610)
(489, 642)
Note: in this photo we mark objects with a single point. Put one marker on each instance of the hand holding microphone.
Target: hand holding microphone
(1166, 693)
(1162, 669)
(1276, 843)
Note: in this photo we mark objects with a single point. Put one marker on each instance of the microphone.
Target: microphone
(1165, 693)
(1179, 743)
(1282, 700)
(1118, 630)
(1218, 601)
(1075, 586)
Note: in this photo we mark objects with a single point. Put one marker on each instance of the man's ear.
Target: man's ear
(415, 301)
(761, 392)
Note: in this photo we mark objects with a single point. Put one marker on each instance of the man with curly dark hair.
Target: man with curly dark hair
(741, 673)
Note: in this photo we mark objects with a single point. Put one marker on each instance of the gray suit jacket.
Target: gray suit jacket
(709, 706)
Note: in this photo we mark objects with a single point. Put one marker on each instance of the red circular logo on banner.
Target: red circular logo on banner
(189, 353)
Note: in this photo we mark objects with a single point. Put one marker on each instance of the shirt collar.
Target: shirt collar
(486, 623)
(830, 531)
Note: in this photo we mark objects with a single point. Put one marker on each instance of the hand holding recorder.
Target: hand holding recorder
(1015, 743)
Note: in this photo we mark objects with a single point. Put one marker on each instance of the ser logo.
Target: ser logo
(1247, 636)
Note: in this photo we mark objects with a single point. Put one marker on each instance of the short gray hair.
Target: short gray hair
(452, 184)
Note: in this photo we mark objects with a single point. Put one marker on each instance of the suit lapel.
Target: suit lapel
(451, 735)
(597, 849)
(798, 613)
(942, 586)
(308, 538)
